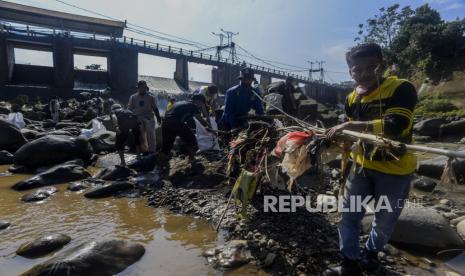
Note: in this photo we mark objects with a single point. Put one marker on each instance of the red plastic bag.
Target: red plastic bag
(291, 141)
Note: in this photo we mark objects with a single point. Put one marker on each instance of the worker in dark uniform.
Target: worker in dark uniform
(239, 100)
(125, 121)
(175, 124)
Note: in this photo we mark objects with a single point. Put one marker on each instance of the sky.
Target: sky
(289, 31)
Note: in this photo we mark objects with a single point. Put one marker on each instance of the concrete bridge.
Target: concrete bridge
(66, 34)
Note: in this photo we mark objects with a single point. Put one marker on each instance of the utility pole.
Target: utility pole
(220, 47)
(231, 44)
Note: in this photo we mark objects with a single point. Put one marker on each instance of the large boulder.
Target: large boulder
(103, 141)
(43, 245)
(11, 138)
(109, 189)
(461, 228)
(93, 258)
(434, 167)
(39, 195)
(6, 157)
(454, 128)
(429, 127)
(422, 228)
(51, 150)
(56, 175)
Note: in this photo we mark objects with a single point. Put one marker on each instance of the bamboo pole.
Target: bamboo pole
(384, 142)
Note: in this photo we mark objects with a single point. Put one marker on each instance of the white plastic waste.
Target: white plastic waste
(97, 127)
(17, 119)
(205, 139)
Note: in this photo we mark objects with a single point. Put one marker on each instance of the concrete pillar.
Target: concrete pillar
(63, 63)
(225, 77)
(265, 80)
(181, 75)
(7, 60)
(123, 71)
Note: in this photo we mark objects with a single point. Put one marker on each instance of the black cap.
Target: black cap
(141, 83)
(246, 73)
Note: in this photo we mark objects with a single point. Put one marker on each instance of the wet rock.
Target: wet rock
(6, 157)
(93, 258)
(462, 141)
(4, 224)
(434, 167)
(39, 195)
(453, 128)
(63, 124)
(429, 127)
(143, 163)
(109, 190)
(43, 245)
(202, 173)
(116, 173)
(20, 169)
(103, 141)
(231, 255)
(51, 150)
(461, 228)
(423, 228)
(424, 184)
(56, 175)
(12, 138)
(78, 186)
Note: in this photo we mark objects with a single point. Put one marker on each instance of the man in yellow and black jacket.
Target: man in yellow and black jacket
(381, 106)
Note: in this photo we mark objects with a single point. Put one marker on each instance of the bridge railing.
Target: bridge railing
(130, 41)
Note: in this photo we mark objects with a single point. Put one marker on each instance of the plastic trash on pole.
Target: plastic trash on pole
(17, 119)
(205, 139)
(97, 127)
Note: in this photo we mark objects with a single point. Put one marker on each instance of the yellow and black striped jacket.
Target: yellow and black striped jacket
(390, 108)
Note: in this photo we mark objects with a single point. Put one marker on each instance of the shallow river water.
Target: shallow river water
(173, 243)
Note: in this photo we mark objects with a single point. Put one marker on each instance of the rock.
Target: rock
(12, 138)
(445, 201)
(39, 195)
(434, 167)
(115, 173)
(109, 190)
(450, 216)
(143, 163)
(103, 141)
(52, 150)
(29, 134)
(93, 258)
(424, 184)
(6, 157)
(422, 139)
(43, 245)
(391, 250)
(456, 221)
(78, 186)
(64, 124)
(55, 133)
(56, 175)
(429, 127)
(461, 228)
(231, 255)
(453, 128)
(4, 224)
(462, 141)
(270, 257)
(425, 228)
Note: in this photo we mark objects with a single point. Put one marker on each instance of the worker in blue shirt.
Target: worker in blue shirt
(239, 100)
